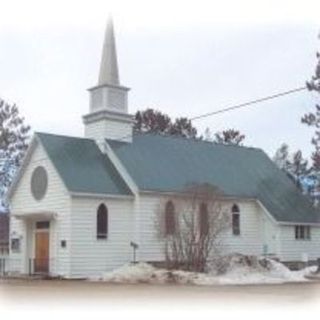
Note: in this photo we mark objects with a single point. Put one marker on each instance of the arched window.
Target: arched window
(102, 222)
(203, 220)
(170, 219)
(235, 220)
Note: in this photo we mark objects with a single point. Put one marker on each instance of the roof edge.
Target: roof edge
(121, 169)
(102, 195)
(196, 140)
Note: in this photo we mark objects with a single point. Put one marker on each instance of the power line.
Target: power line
(241, 105)
(245, 104)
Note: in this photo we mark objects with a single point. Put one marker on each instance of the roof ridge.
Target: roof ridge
(61, 135)
(195, 140)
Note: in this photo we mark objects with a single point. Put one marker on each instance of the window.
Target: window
(42, 225)
(302, 233)
(15, 245)
(235, 220)
(39, 183)
(203, 220)
(170, 219)
(102, 222)
(63, 243)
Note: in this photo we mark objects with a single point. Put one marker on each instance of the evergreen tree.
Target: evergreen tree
(298, 167)
(312, 119)
(230, 136)
(294, 165)
(14, 136)
(154, 121)
(183, 127)
(281, 157)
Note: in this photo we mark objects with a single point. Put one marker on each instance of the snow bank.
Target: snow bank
(240, 270)
(146, 273)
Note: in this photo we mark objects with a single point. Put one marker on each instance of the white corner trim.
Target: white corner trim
(121, 169)
(268, 214)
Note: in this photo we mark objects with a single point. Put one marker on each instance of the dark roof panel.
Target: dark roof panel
(161, 163)
(82, 166)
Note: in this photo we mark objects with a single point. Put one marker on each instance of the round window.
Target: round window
(39, 183)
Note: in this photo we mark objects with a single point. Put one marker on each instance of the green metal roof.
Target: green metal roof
(82, 166)
(170, 164)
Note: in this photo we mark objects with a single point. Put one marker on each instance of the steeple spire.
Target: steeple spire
(108, 116)
(109, 65)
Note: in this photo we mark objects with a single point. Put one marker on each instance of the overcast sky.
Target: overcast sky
(183, 58)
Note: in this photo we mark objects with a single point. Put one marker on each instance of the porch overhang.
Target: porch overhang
(47, 215)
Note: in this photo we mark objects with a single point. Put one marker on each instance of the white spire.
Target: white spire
(108, 117)
(109, 66)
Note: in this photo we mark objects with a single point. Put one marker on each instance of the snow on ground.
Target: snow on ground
(237, 273)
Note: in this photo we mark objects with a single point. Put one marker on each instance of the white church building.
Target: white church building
(79, 203)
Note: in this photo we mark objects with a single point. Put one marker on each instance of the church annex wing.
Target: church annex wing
(170, 164)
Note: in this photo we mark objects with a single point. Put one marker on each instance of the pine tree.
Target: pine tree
(14, 136)
(230, 136)
(294, 165)
(183, 127)
(312, 119)
(298, 167)
(154, 121)
(281, 157)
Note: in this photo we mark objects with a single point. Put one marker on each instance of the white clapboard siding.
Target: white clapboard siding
(56, 200)
(149, 239)
(270, 232)
(250, 241)
(257, 230)
(293, 250)
(91, 256)
(108, 129)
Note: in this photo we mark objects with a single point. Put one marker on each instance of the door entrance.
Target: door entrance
(41, 263)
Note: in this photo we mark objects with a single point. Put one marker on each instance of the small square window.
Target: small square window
(302, 233)
(63, 243)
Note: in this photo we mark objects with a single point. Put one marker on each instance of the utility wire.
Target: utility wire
(241, 105)
(249, 103)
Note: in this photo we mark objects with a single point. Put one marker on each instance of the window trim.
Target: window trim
(170, 223)
(302, 232)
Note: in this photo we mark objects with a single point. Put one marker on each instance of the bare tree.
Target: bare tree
(191, 224)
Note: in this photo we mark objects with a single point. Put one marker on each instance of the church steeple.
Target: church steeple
(108, 117)
(109, 73)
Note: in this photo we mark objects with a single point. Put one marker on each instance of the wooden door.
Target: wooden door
(41, 263)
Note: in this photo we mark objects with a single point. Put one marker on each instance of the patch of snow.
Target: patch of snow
(248, 270)
(130, 273)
